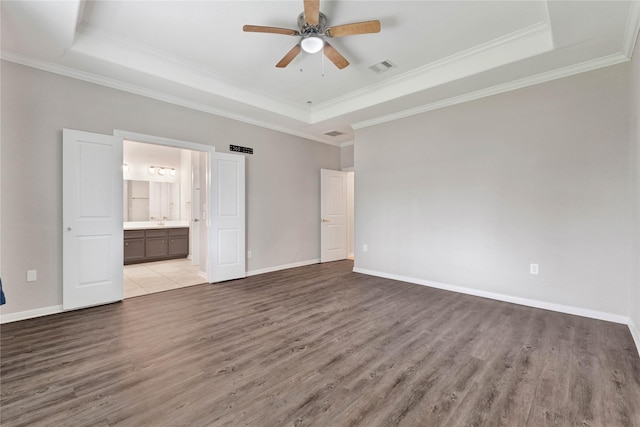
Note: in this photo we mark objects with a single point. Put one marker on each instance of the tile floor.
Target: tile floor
(151, 277)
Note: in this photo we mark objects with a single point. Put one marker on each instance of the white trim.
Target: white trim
(635, 334)
(518, 45)
(347, 143)
(282, 267)
(113, 48)
(568, 309)
(30, 314)
(150, 93)
(159, 140)
(571, 70)
(631, 29)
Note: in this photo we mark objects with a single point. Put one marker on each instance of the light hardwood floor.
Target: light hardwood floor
(322, 346)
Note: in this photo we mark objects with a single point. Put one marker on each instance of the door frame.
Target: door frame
(194, 146)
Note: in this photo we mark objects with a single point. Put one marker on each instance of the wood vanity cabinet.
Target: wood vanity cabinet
(133, 246)
(155, 244)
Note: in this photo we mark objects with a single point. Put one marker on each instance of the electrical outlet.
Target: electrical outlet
(364, 248)
(32, 275)
(533, 269)
(249, 254)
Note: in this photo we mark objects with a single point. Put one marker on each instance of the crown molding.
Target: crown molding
(532, 40)
(571, 70)
(121, 50)
(632, 29)
(347, 144)
(149, 93)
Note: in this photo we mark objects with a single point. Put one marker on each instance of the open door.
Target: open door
(333, 212)
(92, 219)
(227, 257)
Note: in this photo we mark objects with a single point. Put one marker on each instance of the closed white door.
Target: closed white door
(92, 219)
(227, 259)
(333, 212)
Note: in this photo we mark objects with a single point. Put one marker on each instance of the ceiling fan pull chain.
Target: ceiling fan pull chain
(299, 59)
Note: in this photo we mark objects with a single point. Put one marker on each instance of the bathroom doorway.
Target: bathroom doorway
(165, 239)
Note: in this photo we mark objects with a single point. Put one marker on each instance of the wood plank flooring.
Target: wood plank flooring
(322, 346)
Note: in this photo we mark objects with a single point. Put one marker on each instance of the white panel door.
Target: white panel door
(227, 259)
(92, 235)
(333, 212)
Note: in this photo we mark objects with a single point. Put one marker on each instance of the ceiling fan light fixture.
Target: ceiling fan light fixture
(311, 44)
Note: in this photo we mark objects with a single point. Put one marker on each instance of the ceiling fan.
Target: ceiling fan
(314, 32)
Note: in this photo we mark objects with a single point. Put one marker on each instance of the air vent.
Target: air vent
(383, 66)
(334, 133)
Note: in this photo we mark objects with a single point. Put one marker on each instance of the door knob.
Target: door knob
(196, 220)
(325, 220)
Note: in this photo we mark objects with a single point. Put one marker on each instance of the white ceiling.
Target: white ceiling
(195, 53)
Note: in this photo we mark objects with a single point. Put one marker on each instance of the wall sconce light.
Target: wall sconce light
(152, 170)
(125, 168)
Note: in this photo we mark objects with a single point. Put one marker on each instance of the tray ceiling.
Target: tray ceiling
(195, 53)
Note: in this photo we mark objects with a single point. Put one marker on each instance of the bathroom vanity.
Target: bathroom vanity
(145, 243)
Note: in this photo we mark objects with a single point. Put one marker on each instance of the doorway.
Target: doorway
(92, 207)
(162, 196)
(337, 215)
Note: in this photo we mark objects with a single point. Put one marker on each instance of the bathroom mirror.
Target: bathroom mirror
(150, 201)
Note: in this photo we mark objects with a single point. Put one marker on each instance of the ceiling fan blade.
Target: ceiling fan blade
(366, 27)
(312, 11)
(334, 56)
(271, 30)
(289, 56)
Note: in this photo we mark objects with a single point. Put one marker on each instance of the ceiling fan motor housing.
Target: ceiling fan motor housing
(306, 29)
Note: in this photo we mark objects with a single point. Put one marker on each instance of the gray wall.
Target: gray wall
(283, 176)
(470, 195)
(635, 135)
(346, 157)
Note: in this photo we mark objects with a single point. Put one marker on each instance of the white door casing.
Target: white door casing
(92, 219)
(333, 215)
(227, 259)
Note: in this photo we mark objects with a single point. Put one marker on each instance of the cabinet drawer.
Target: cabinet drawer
(178, 231)
(156, 233)
(133, 234)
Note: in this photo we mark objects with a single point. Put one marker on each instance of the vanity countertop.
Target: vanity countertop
(142, 225)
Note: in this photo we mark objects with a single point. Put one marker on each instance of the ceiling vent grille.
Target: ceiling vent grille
(334, 133)
(383, 66)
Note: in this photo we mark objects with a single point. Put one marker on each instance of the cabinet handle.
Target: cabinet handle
(126, 244)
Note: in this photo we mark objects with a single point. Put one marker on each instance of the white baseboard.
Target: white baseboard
(29, 314)
(635, 334)
(578, 311)
(282, 267)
